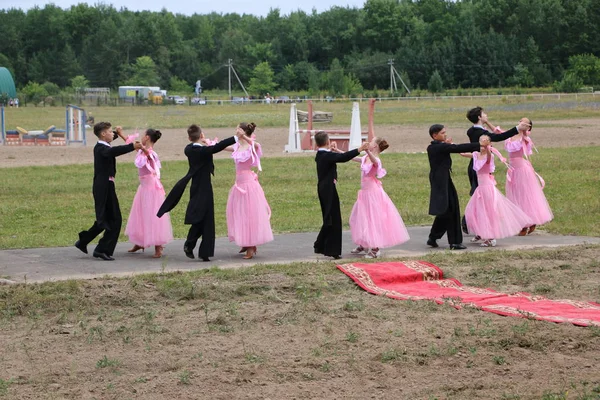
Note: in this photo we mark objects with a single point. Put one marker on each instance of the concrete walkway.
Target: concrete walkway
(50, 264)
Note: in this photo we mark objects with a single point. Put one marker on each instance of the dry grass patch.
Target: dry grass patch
(302, 330)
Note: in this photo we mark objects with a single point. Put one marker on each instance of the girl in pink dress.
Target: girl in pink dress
(375, 222)
(144, 228)
(248, 213)
(489, 214)
(524, 186)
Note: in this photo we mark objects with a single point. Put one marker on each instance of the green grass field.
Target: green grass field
(450, 110)
(47, 206)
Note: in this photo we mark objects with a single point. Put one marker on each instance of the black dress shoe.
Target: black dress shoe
(458, 246)
(432, 243)
(336, 257)
(103, 256)
(81, 247)
(189, 253)
(205, 259)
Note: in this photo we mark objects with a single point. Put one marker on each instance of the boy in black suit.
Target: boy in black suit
(329, 240)
(106, 204)
(479, 118)
(200, 213)
(443, 201)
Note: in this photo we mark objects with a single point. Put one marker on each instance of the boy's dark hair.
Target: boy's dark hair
(530, 125)
(321, 138)
(435, 128)
(194, 132)
(248, 127)
(154, 134)
(473, 114)
(101, 127)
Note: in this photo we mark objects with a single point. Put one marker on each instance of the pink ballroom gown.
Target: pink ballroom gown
(144, 228)
(374, 221)
(248, 213)
(489, 213)
(523, 186)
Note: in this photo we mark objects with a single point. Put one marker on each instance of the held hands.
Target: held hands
(523, 126)
(138, 145)
(119, 131)
(333, 147)
(203, 139)
(448, 140)
(363, 147)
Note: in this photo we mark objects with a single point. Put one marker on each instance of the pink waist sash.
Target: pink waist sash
(486, 180)
(151, 180)
(244, 176)
(368, 183)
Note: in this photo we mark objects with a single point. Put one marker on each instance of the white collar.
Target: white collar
(104, 143)
(478, 126)
(321, 149)
(197, 144)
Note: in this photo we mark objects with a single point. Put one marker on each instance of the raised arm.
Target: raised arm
(344, 157)
(499, 137)
(116, 151)
(221, 145)
(372, 157)
(457, 148)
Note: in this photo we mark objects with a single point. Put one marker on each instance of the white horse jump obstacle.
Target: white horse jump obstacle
(302, 139)
(76, 119)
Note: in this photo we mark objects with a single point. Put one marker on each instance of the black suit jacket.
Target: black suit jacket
(105, 166)
(440, 163)
(474, 133)
(327, 174)
(200, 160)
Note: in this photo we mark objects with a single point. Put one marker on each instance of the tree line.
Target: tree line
(434, 44)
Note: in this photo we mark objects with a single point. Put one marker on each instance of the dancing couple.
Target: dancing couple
(375, 222)
(248, 213)
(143, 228)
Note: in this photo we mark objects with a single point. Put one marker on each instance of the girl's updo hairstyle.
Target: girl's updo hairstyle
(153, 134)
(248, 128)
(383, 144)
(483, 138)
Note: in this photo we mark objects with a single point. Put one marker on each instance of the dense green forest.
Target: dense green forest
(434, 43)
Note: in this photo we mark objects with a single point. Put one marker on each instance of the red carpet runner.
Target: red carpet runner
(420, 280)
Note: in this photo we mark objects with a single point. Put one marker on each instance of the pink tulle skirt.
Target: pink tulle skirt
(248, 213)
(491, 215)
(524, 189)
(144, 228)
(374, 220)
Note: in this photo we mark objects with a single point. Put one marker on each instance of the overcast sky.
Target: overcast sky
(188, 7)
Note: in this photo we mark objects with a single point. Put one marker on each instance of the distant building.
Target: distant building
(135, 92)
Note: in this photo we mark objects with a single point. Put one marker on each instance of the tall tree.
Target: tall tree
(263, 80)
(144, 73)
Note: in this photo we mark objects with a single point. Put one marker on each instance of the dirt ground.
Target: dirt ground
(305, 332)
(406, 139)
